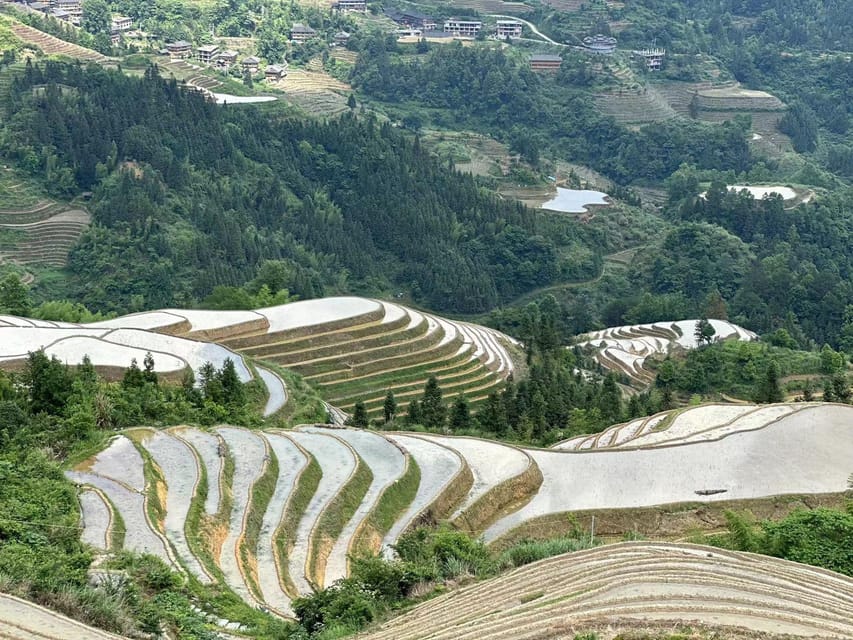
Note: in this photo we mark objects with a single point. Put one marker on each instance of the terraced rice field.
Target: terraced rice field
(635, 107)
(625, 350)
(54, 46)
(717, 452)
(22, 620)
(47, 232)
(631, 583)
(316, 93)
(350, 348)
(110, 350)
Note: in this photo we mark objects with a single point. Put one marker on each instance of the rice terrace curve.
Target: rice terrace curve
(282, 511)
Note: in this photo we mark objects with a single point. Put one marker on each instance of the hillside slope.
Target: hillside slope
(717, 453)
(349, 348)
(632, 583)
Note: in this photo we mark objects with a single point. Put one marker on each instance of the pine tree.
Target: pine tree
(389, 407)
(149, 375)
(460, 414)
(413, 415)
(769, 390)
(133, 377)
(233, 392)
(359, 416)
(433, 411)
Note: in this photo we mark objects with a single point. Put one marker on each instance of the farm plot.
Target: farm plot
(625, 349)
(315, 93)
(180, 470)
(291, 462)
(22, 620)
(337, 463)
(618, 586)
(131, 506)
(46, 240)
(491, 463)
(277, 393)
(96, 519)
(640, 106)
(806, 452)
(54, 46)
(250, 454)
(120, 461)
(112, 351)
(387, 464)
(211, 452)
(439, 466)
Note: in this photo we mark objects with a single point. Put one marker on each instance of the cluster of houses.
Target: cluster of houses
(415, 23)
(223, 60)
(71, 11)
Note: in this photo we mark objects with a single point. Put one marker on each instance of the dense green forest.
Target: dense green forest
(200, 195)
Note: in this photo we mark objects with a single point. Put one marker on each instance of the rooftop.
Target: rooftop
(545, 57)
(180, 44)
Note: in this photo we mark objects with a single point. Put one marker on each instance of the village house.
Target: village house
(206, 53)
(412, 19)
(301, 33)
(508, 29)
(351, 5)
(115, 37)
(73, 7)
(600, 44)
(180, 50)
(341, 38)
(225, 60)
(60, 14)
(652, 58)
(462, 28)
(250, 64)
(122, 23)
(275, 72)
(40, 6)
(545, 62)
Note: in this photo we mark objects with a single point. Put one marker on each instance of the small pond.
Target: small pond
(574, 200)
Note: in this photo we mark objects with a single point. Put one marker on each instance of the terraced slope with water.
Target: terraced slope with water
(695, 457)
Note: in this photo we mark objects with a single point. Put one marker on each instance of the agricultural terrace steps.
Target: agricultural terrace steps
(337, 472)
(244, 447)
(638, 581)
(180, 491)
(662, 421)
(24, 620)
(436, 477)
(388, 462)
(507, 491)
(802, 453)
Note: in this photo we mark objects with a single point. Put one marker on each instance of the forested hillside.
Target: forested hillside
(200, 195)
(487, 89)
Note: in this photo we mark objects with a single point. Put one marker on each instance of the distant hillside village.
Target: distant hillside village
(250, 59)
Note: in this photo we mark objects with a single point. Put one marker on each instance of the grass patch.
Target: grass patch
(335, 517)
(306, 487)
(391, 505)
(155, 483)
(530, 597)
(262, 493)
(118, 529)
(303, 406)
